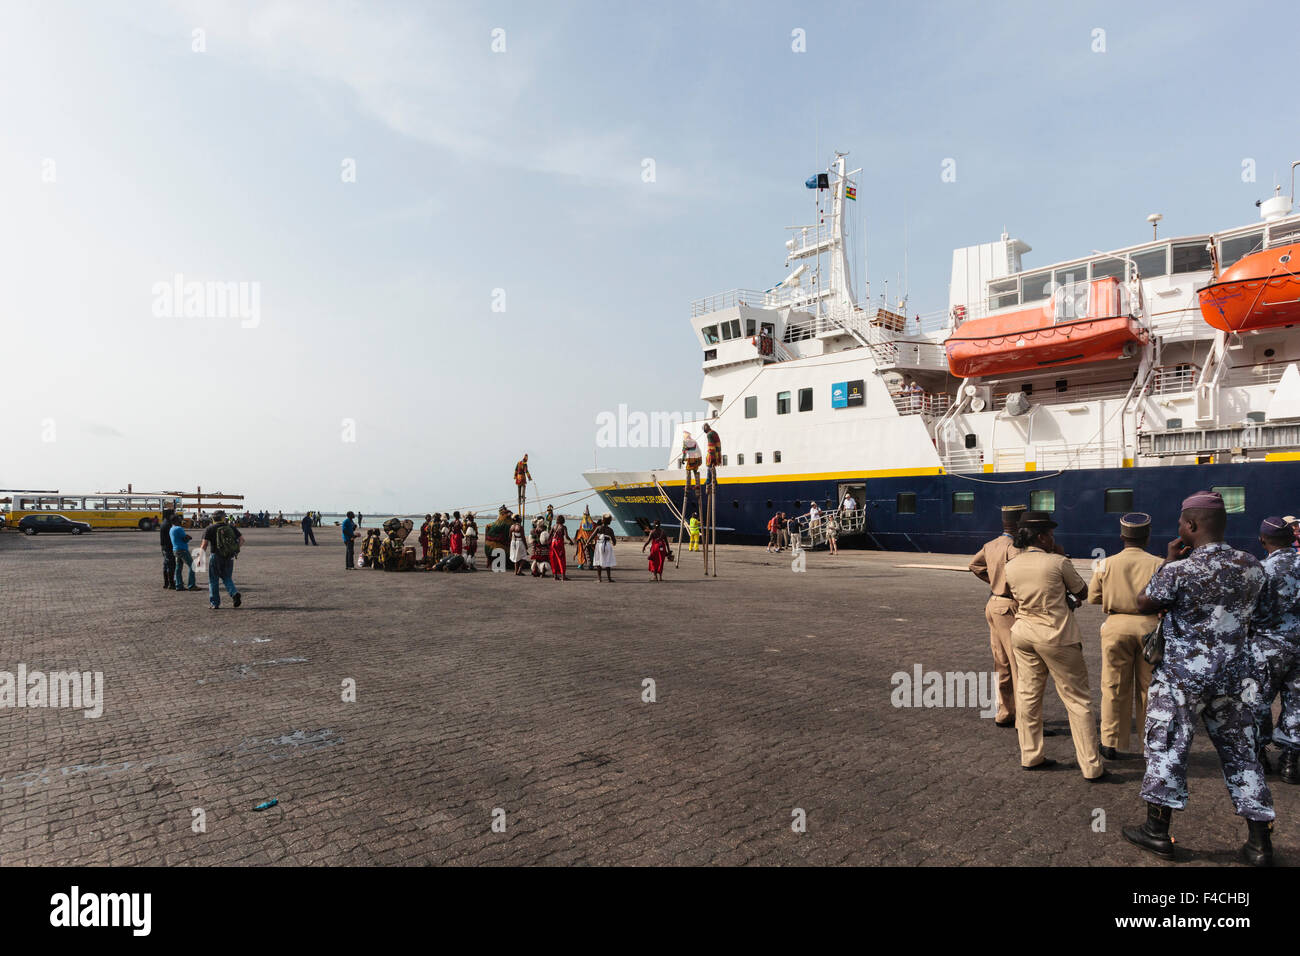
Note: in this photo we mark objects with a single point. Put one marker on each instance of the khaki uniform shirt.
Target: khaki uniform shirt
(1039, 582)
(990, 564)
(1116, 584)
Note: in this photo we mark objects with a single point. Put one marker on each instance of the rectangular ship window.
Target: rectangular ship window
(1036, 287)
(906, 503)
(776, 457)
(783, 403)
(805, 399)
(963, 502)
(1119, 501)
(1109, 269)
(1191, 257)
(710, 333)
(758, 458)
(740, 459)
(1234, 498)
(1230, 250)
(1152, 262)
(1042, 501)
(751, 406)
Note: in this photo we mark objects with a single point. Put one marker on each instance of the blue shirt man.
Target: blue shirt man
(181, 553)
(349, 534)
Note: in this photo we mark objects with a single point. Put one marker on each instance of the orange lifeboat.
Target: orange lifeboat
(1082, 322)
(1260, 291)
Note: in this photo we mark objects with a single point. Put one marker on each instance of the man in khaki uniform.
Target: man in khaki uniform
(1000, 611)
(1045, 640)
(1115, 585)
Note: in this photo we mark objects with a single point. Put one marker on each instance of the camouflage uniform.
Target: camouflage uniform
(1208, 597)
(1275, 633)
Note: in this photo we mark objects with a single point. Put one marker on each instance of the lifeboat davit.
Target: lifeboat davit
(1082, 322)
(1260, 291)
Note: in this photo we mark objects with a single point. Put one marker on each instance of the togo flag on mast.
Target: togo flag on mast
(851, 192)
(819, 181)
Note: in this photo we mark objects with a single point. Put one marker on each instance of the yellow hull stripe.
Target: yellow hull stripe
(813, 476)
(1282, 456)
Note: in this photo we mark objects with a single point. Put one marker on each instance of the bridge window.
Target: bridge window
(906, 503)
(731, 329)
(1191, 257)
(805, 400)
(751, 406)
(1119, 501)
(710, 354)
(1230, 250)
(963, 502)
(1109, 269)
(1042, 501)
(776, 457)
(1036, 287)
(1152, 263)
(751, 327)
(1234, 498)
(710, 333)
(783, 403)
(1003, 294)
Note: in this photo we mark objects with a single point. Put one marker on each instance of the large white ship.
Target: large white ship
(1117, 381)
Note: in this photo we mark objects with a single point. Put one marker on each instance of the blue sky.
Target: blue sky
(521, 171)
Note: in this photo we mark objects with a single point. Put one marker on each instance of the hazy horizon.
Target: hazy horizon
(462, 193)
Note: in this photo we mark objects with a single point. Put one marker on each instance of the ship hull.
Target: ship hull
(1080, 503)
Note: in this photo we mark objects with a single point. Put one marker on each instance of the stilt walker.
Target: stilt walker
(711, 463)
(690, 460)
(522, 477)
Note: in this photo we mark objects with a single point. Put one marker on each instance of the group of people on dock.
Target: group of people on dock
(537, 546)
(1207, 632)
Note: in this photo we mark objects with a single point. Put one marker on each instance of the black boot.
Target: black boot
(1288, 765)
(1258, 848)
(1154, 834)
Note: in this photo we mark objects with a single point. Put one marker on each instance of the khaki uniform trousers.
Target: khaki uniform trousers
(1000, 612)
(1065, 664)
(1122, 671)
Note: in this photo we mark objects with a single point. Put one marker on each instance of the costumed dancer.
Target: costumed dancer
(559, 537)
(455, 534)
(603, 554)
(518, 546)
(471, 540)
(582, 541)
(657, 541)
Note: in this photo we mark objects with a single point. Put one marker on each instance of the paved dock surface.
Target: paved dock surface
(485, 692)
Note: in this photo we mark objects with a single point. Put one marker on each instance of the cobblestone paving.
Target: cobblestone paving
(483, 691)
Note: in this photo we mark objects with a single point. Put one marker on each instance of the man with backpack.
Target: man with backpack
(221, 542)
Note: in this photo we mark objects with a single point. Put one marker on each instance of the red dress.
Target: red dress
(456, 539)
(558, 565)
(658, 551)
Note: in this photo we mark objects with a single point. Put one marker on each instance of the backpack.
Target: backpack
(227, 539)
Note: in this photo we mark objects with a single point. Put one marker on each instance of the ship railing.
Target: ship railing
(1057, 456)
(963, 460)
(1073, 394)
(1174, 378)
(919, 402)
(809, 533)
(770, 299)
(1261, 373)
